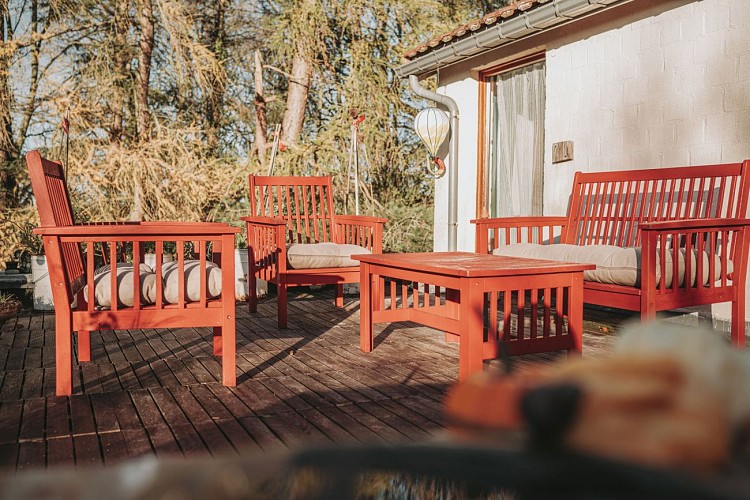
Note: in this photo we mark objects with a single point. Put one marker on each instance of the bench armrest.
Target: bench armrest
(495, 231)
(718, 250)
(677, 225)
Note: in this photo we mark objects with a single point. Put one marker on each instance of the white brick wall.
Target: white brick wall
(672, 89)
(463, 91)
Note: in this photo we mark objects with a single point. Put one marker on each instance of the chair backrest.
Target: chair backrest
(607, 208)
(53, 204)
(306, 203)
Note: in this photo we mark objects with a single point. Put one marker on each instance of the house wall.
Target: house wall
(651, 85)
(668, 90)
(466, 93)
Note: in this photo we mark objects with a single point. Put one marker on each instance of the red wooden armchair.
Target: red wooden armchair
(184, 298)
(289, 215)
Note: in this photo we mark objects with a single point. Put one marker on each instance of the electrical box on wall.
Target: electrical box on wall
(562, 151)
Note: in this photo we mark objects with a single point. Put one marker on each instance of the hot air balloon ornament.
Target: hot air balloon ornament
(431, 125)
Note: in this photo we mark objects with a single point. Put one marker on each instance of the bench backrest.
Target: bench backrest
(53, 204)
(607, 208)
(305, 202)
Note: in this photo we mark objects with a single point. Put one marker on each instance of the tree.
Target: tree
(170, 101)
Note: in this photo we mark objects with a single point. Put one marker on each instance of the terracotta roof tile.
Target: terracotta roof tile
(472, 26)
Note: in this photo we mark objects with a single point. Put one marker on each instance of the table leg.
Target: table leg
(575, 312)
(472, 320)
(366, 300)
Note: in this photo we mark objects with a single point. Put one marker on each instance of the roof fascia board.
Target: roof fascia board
(520, 26)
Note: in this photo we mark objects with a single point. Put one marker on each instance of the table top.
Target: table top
(465, 264)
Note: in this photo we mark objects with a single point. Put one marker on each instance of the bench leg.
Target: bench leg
(84, 346)
(339, 302)
(648, 311)
(63, 354)
(738, 322)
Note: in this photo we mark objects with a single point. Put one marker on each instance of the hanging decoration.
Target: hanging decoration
(432, 125)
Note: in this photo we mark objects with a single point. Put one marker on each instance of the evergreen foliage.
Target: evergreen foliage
(163, 107)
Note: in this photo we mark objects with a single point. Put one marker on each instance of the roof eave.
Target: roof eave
(522, 25)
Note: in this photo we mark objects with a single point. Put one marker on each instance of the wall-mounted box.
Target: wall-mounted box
(562, 151)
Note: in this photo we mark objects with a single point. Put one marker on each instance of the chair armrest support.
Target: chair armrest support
(360, 230)
(266, 241)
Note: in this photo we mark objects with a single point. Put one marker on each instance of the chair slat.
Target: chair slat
(136, 276)
(202, 269)
(113, 276)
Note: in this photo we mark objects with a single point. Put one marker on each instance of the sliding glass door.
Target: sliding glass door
(514, 141)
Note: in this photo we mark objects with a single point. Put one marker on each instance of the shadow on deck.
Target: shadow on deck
(149, 392)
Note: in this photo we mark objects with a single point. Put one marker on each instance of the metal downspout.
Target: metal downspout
(449, 103)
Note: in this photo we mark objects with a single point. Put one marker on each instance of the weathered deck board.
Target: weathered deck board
(158, 391)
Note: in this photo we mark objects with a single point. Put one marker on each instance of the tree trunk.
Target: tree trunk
(261, 123)
(33, 78)
(121, 69)
(146, 22)
(215, 100)
(8, 151)
(296, 101)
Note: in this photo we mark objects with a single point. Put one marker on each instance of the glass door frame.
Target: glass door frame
(482, 209)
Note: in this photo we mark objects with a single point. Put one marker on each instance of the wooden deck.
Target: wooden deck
(158, 392)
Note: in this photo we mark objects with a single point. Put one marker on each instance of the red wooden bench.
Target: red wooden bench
(299, 210)
(669, 213)
(70, 250)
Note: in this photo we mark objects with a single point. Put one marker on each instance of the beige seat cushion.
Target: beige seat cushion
(192, 283)
(318, 255)
(102, 285)
(614, 265)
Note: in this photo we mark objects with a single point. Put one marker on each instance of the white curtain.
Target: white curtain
(516, 141)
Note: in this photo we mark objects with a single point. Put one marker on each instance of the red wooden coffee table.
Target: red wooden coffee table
(492, 304)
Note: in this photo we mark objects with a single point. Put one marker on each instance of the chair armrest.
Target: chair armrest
(265, 221)
(495, 231)
(361, 230)
(160, 229)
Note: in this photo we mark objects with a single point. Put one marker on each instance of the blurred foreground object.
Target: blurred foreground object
(670, 396)
(431, 470)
